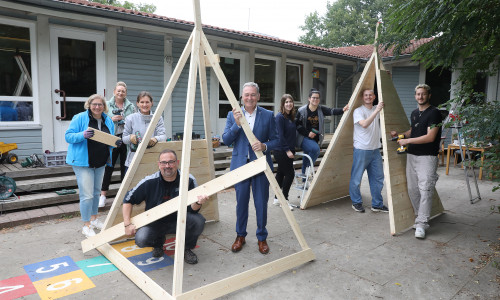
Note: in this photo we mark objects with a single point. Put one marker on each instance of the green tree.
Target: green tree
(462, 30)
(147, 8)
(345, 23)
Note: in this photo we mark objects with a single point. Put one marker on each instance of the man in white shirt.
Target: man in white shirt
(366, 155)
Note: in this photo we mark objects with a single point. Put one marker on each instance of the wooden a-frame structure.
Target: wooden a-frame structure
(331, 181)
(199, 49)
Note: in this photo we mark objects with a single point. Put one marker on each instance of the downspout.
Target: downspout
(358, 66)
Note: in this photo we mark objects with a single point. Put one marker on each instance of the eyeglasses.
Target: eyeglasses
(97, 104)
(165, 163)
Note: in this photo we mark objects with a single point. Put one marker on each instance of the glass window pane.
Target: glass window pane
(265, 74)
(231, 69)
(319, 82)
(224, 109)
(16, 111)
(15, 61)
(77, 67)
(294, 81)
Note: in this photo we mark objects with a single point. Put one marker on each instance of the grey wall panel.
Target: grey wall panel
(405, 80)
(140, 64)
(28, 141)
(345, 90)
(180, 93)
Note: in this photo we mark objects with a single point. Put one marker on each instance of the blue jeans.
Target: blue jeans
(371, 161)
(89, 183)
(311, 148)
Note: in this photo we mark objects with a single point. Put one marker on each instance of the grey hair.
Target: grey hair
(252, 84)
(423, 86)
(92, 98)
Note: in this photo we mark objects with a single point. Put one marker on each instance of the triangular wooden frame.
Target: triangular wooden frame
(199, 45)
(331, 181)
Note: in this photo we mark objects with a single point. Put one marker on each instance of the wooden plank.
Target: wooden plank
(103, 137)
(236, 282)
(393, 117)
(146, 284)
(186, 157)
(320, 191)
(206, 61)
(126, 183)
(210, 188)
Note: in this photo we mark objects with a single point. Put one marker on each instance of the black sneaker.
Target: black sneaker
(358, 207)
(382, 209)
(190, 257)
(158, 252)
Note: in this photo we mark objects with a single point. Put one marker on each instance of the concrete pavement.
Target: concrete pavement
(356, 257)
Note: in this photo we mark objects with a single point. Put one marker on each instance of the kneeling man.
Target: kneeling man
(156, 189)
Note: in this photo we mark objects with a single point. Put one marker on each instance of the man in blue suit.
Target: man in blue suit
(263, 126)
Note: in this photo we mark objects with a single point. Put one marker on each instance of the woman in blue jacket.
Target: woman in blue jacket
(88, 157)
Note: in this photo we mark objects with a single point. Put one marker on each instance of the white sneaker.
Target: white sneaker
(88, 231)
(102, 201)
(290, 206)
(420, 233)
(97, 224)
(276, 201)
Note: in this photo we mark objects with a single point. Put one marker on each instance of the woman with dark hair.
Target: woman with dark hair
(284, 154)
(119, 108)
(138, 123)
(88, 157)
(310, 126)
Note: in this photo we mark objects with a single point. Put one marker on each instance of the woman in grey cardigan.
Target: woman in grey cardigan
(138, 123)
(310, 126)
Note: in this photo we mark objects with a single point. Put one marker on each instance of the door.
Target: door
(78, 71)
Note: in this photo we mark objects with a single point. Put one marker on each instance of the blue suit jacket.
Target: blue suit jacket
(264, 130)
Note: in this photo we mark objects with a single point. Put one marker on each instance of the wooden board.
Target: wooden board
(331, 180)
(393, 117)
(105, 138)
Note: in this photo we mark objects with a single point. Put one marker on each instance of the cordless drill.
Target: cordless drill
(402, 149)
(133, 147)
(118, 112)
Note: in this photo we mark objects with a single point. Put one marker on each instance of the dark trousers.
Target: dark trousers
(153, 234)
(285, 173)
(118, 151)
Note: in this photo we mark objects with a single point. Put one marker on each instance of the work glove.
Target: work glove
(118, 143)
(152, 142)
(133, 139)
(88, 133)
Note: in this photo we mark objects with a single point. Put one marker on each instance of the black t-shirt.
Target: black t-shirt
(420, 121)
(313, 122)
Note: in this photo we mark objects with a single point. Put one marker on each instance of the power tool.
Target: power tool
(401, 149)
(133, 147)
(118, 112)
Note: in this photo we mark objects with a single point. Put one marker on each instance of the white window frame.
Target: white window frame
(243, 72)
(329, 97)
(277, 94)
(301, 81)
(34, 79)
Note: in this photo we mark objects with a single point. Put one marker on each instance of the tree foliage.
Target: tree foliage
(466, 38)
(147, 8)
(345, 23)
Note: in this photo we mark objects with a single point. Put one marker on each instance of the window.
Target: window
(319, 76)
(231, 69)
(265, 77)
(16, 83)
(294, 80)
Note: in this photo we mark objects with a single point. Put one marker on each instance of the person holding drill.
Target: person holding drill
(423, 140)
(137, 123)
(119, 108)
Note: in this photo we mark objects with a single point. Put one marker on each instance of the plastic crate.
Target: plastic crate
(55, 159)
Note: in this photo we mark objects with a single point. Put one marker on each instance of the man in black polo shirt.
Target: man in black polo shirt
(423, 146)
(156, 189)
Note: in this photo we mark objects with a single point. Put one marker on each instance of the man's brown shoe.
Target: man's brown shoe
(238, 243)
(263, 247)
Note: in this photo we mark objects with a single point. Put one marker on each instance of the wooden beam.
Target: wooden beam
(236, 282)
(218, 184)
(115, 207)
(146, 284)
(207, 61)
(105, 138)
